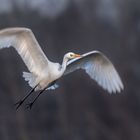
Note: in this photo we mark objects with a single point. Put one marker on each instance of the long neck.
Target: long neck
(64, 64)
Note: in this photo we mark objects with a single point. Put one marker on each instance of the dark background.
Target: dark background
(79, 109)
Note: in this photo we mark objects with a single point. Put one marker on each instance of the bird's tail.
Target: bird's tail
(30, 78)
(53, 87)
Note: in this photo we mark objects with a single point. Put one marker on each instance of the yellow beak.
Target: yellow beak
(77, 55)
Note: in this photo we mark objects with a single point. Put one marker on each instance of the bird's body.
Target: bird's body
(44, 72)
(53, 74)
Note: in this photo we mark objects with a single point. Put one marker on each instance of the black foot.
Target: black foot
(29, 105)
(18, 104)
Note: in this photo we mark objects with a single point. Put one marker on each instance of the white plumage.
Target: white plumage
(43, 72)
(99, 68)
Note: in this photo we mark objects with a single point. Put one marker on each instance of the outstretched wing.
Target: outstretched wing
(99, 68)
(24, 41)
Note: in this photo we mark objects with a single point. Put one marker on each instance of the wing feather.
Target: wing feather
(24, 41)
(99, 68)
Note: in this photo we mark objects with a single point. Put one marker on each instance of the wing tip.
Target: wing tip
(117, 89)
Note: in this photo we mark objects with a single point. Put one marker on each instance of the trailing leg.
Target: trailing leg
(50, 86)
(29, 105)
(20, 102)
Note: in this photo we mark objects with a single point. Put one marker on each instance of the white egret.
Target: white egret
(43, 73)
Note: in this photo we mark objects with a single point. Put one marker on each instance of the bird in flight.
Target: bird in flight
(43, 73)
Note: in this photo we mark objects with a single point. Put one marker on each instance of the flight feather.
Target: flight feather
(24, 41)
(99, 68)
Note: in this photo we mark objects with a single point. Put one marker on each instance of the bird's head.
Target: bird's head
(72, 55)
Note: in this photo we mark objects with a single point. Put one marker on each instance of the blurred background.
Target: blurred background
(79, 109)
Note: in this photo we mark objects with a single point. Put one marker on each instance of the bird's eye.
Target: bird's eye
(71, 55)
